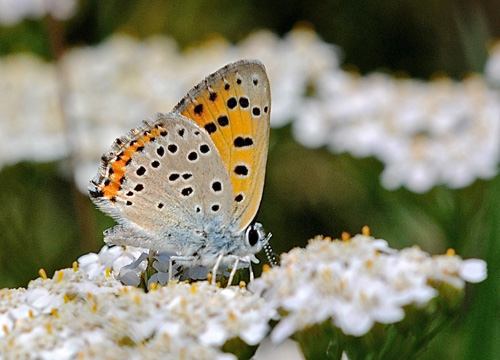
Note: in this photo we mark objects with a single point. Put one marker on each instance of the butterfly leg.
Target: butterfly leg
(233, 271)
(177, 258)
(216, 266)
(252, 277)
(170, 266)
(151, 260)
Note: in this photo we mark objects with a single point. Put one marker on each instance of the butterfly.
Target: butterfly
(190, 181)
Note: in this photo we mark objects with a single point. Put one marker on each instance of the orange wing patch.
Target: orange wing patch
(116, 168)
(233, 106)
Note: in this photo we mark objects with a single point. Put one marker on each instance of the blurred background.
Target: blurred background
(384, 114)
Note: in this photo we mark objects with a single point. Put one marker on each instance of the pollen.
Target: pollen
(32, 315)
(60, 275)
(451, 252)
(42, 274)
(266, 268)
(345, 236)
(152, 286)
(242, 284)
(326, 274)
(75, 265)
(193, 289)
(5, 329)
(55, 313)
(365, 230)
(108, 272)
(342, 285)
(66, 299)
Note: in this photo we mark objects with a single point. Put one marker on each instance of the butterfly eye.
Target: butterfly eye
(253, 237)
(254, 234)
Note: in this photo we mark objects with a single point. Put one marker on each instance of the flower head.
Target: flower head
(70, 316)
(355, 284)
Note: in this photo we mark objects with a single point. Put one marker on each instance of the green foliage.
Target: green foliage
(239, 348)
(42, 223)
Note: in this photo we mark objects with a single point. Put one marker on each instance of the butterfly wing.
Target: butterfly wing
(233, 106)
(164, 179)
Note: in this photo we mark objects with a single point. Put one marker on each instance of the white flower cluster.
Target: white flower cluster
(31, 126)
(113, 258)
(353, 283)
(70, 317)
(14, 11)
(356, 283)
(426, 133)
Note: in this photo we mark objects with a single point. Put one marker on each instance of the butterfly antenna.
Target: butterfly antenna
(269, 252)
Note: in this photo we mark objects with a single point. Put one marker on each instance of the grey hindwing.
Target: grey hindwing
(173, 187)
